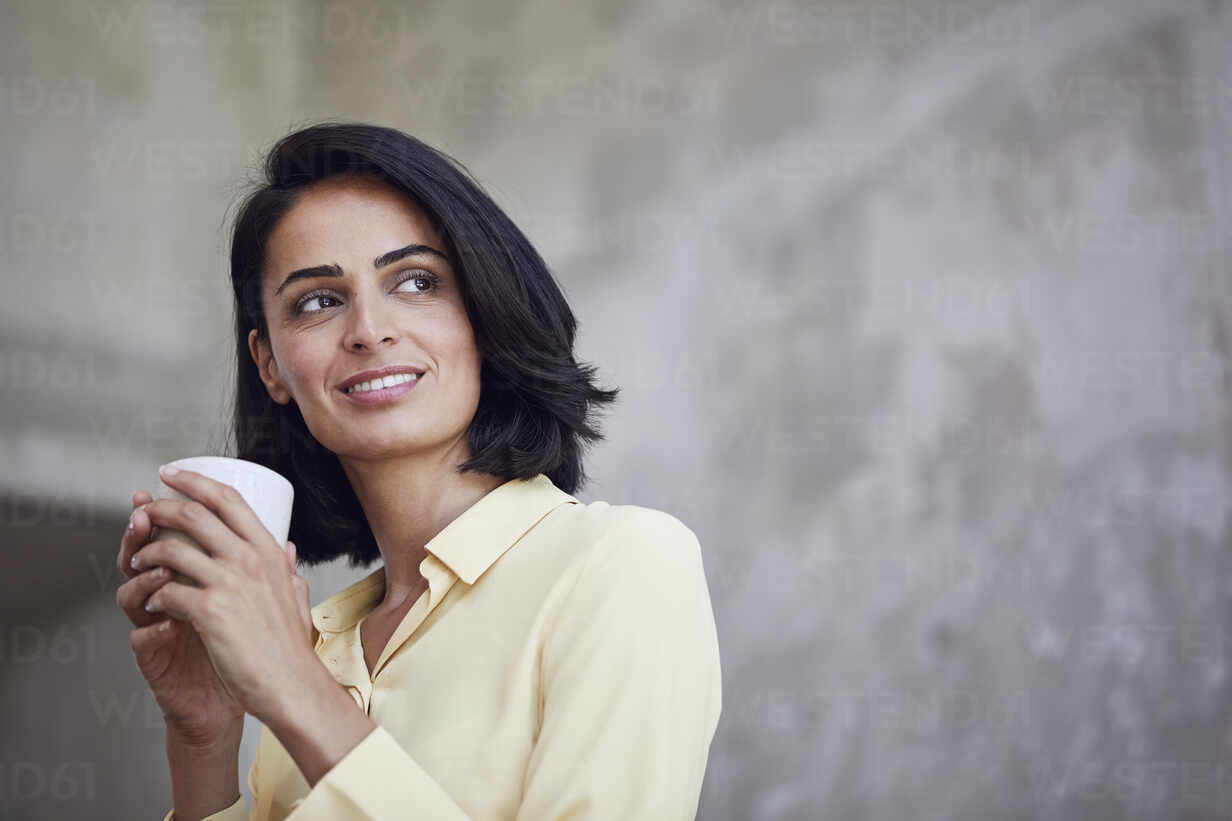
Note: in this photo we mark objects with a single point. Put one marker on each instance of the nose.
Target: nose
(369, 324)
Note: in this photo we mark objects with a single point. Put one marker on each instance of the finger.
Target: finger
(297, 581)
(136, 534)
(150, 636)
(184, 558)
(177, 600)
(226, 503)
(300, 585)
(131, 595)
(305, 606)
(199, 523)
(140, 497)
(301, 595)
(301, 591)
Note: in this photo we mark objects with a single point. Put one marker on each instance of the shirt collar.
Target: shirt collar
(465, 548)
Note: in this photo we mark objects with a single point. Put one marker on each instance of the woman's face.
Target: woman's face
(399, 310)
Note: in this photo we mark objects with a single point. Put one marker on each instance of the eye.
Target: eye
(309, 297)
(420, 275)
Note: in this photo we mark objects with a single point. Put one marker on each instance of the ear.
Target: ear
(267, 368)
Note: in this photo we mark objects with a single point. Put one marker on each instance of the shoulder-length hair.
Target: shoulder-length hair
(536, 402)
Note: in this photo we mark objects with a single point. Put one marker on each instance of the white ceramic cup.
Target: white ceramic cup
(267, 492)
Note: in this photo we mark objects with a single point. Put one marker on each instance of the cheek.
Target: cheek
(461, 364)
(300, 366)
(456, 343)
(467, 356)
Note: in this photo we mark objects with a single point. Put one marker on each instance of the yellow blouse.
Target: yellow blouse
(563, 663)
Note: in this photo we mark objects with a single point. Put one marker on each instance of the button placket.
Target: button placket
(440, 580)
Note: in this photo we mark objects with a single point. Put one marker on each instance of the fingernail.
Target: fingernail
(135, 563)
(168, 470)
(164, 626)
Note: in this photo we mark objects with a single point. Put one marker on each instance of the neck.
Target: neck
(407, 501)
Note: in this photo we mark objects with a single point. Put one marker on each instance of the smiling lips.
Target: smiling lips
(386, 382)
(384, 389)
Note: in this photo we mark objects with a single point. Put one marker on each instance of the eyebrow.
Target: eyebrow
(335, 270)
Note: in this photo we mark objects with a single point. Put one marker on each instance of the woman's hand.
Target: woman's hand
(250, 613)
(196, 705)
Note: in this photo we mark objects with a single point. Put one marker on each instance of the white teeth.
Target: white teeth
(386, 382)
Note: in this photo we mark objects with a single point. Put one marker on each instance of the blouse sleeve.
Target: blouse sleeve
(376, 780)
(631, 682)
(237, 811)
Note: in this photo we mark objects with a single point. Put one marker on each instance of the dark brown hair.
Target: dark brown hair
(536, 402)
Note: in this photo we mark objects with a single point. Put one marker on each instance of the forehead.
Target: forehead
(341, 219)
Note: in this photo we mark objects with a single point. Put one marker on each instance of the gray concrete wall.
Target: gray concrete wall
(921, 311)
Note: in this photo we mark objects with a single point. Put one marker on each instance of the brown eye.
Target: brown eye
(419, 276)
(308, 298)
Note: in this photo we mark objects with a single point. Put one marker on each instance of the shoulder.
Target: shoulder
(636, 587)
(630, 556)
(622, 535)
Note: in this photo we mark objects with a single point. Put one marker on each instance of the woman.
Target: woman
(405, 359)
